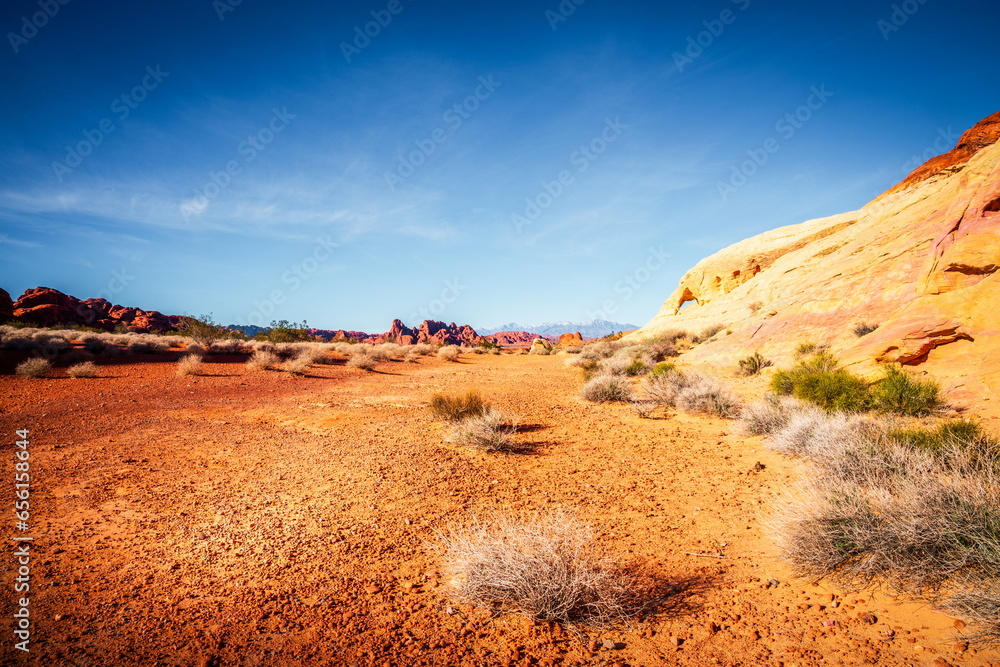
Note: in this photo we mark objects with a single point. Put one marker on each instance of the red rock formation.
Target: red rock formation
(46, 307)
(984, 133)
(570, 340)
(512, 338)
(6, 307)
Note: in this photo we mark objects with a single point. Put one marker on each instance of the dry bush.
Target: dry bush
(362, 360)
(913, 509)
(35, 367)
(709, 397)
(488, 432)
(94, 344)
(310, 353)
(663, 387)
(449, 353)
(862, 329)
(297, 366)
(600, 350)
(643, 409)
(456, 406)
(263, 360)
(226, 346)
(85, 370)
(423, 349)
(147, 346)
(771, 415)
(546, 568)
(392, 350)
(606, 389)
(753, 364)
(708, 333)
(190, 364)
(193, 348)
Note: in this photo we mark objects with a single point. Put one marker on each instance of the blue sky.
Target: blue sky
(477, 162)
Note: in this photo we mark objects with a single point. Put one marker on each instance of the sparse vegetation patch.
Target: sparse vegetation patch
(546, 568)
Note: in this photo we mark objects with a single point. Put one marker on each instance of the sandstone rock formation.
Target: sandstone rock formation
(6, 307)
(46, 307)
(570, 340)
(920, 261)
(512, 338)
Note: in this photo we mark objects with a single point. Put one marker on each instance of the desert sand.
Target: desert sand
(243, 518)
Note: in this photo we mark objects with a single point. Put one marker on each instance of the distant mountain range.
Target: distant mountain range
(594, 329)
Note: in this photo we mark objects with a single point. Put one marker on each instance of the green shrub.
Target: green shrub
(959, 434)
(901, 393)
(636, 367)
(456, 407)
(819, 381)
(661, 369)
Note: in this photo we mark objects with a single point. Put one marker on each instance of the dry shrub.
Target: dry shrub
(663, 386)
(455, 407)
(263, 360)
(423, 349)
(753, 364)
(147, 346)
(34, 368)
(362, 360)
(85, 370)
(917, 511)
(449, 353)
(606, 389)
(488, 432)
(190, 364)
(547, 568)
(709, 397)
(643, 409)
(226, 346)
(297, 366)
(771, 415)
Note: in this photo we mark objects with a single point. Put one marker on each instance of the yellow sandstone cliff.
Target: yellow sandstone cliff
(920, 261)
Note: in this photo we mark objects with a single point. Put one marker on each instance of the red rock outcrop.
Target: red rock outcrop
(570, 340)
(920, 261)
(512, 338)
(984, 133)
(46, 307)
(6, 307)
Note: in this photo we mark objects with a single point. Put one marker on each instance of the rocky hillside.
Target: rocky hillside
(920, 262)
(45, 307)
